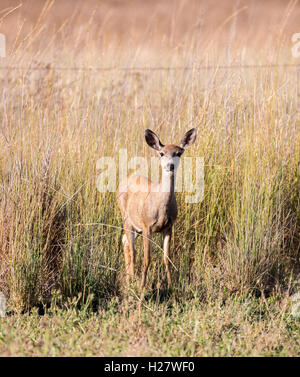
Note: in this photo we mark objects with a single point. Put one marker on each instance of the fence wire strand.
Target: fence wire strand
(145, 68)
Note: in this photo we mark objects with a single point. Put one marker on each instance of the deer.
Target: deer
(148, 207)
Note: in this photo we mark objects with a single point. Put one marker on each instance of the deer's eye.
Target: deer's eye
(179, 154)
(161, 154)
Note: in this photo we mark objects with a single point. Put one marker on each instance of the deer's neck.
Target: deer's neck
(167, 186)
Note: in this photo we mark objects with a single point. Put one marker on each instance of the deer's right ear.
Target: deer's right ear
(153, 140)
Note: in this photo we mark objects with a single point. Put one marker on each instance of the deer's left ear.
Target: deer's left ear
(189, 138)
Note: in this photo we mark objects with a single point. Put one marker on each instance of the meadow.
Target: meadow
(82, 89)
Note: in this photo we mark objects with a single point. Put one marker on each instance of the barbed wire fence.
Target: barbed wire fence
(49, 67)
(151, 68)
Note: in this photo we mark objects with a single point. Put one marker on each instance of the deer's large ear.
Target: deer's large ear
(153, 140)
(189, 138)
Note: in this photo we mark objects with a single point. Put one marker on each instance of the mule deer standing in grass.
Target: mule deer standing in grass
(148, 207)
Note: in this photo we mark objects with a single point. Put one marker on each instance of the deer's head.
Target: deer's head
(170, 154)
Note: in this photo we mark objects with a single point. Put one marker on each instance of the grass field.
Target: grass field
(250, 327)
(83, 88)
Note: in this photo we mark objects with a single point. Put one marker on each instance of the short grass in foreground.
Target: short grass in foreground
(252, 327)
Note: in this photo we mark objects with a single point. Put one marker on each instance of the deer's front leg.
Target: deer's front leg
(131, 236)
(166, 245)
(147, 250)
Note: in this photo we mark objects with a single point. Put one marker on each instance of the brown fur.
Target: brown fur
(147, 207)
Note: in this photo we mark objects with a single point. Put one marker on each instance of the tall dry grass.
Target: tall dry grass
(56, 123)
